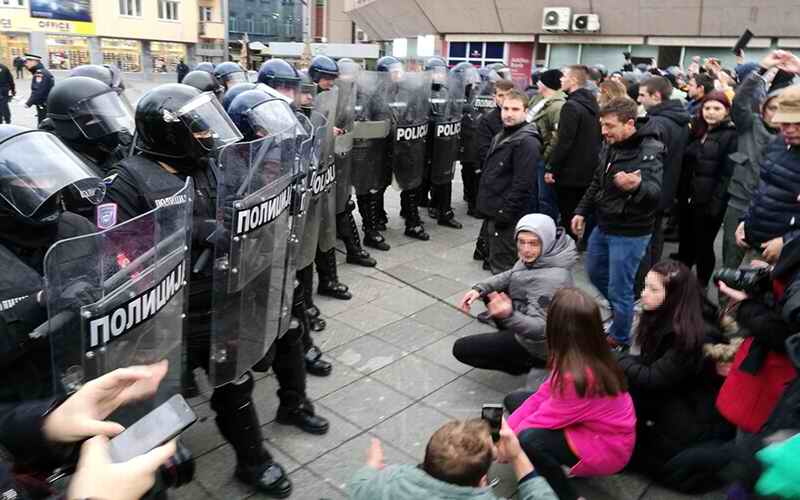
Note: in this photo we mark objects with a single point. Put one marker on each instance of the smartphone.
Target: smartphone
(154, 429)
(493, 413)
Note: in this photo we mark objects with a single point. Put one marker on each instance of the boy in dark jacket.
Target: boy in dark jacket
(508, 184)
(574, 156)
(623, 196)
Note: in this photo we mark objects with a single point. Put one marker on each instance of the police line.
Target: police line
(137, 310)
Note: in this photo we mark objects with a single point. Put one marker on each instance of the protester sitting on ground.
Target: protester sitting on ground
(518, 299)
(457, 461)
(674, 387)
(582, 416)
(37, 432)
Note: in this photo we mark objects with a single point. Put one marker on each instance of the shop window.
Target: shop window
(130, 8)
(168, 10)
(494, 50)
(67, 52)
(166, 55)
(458, 49)
(125, 54)
(12, 46)
(477, 53)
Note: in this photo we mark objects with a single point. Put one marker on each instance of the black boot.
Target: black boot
(298, 411)
(368, 208)
(305, 277)
(414, 227)
(383, 217)
(238, 423)
(315, 365)
(348, 232)
(446, 217)
(329, 284)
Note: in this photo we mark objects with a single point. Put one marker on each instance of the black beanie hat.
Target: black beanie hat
(551, 79)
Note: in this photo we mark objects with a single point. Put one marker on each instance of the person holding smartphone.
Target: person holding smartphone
(38, 430)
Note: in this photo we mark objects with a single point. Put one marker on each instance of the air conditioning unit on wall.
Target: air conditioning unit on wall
(585, 22)
(556, 19)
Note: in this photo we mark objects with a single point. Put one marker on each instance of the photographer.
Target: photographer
(456, 465)
(768, 311)
(36, 430)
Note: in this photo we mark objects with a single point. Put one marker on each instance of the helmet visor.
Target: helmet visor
(348, 70)
(439, 74)
(102, 115)
(232, 79)
(274, 118)
(208, 122)
(35, 165)
(471, 76)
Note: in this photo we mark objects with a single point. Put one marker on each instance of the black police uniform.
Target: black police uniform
(440, 157)
(25, 363)
(41, 85)
(7, 90)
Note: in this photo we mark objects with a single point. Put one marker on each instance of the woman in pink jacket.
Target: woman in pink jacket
(582, 416)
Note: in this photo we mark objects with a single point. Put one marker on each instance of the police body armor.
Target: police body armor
(254, 195)
(408, 101)
(320, 217)
(345, 118)
(27, 360)
(370, 170)
(118, 298)
(445, 131)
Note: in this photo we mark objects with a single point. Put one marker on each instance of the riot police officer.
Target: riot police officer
(234, 91)
(35, 168)
(446, 103)
(325, 73)
(109, 74)
(229, 74)
(205, 82)
(175, 141)
(468, 152)
(41, 85)
(257, 114)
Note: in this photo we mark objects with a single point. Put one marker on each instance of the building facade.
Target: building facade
(555, 33)
(137, 35)
(259, 22)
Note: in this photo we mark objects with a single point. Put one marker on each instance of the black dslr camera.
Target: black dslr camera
(753, 280)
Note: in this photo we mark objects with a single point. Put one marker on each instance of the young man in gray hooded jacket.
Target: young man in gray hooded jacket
(517, 299)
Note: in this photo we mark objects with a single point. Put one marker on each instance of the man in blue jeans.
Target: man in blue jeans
(624, 197)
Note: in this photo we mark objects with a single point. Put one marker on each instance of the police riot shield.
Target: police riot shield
(118, 298)
(254, 192)
(409, 106)
(370, 170)
(484, 100)
(345, 117)
(326, 104)
(447, 104)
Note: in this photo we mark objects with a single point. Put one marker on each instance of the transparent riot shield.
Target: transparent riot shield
(372, 124)
(118, 298)
(326, 104)
(409, 105)
(345, 117)
(484, 98)
(254, 193)
(447, 105)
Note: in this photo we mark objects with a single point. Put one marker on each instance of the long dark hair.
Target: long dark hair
(577, 346)
(682, 310)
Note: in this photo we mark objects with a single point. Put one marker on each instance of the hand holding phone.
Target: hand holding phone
(493, 414)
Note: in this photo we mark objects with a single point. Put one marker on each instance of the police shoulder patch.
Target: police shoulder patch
(106, 215)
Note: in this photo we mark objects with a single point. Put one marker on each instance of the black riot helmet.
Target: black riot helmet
(323, 67)
(204, 82)
(230, 73)
(258, 114)
(438, 68)
(499, 71)
(278, 74)
(107, 73)
(386, 63)
(205, 66)
(467, 73)
(34, 168)
(234, 91)
(180, 122)
(85, 110)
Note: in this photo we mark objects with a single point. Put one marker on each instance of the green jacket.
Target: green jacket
(545, 116)
(408, 482)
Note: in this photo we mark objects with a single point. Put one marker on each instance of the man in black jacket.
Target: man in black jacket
(624, 196)
(574, 157)
(489, 125)
(508, 185)
(7, 90)
(670, 121)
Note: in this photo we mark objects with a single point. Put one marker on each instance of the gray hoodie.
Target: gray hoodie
(532, 287)
(407, 482)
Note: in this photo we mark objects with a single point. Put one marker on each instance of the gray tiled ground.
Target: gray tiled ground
(394, 374)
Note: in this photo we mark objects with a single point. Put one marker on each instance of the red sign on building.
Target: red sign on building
(520, 60)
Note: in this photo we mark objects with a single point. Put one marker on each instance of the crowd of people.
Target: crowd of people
(585, 167)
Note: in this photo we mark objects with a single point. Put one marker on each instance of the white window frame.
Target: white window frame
(164, 8)
(206, 13)
(485, 61)
(136, 8)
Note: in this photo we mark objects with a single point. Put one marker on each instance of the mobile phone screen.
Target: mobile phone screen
(152, 430)
(493, 413)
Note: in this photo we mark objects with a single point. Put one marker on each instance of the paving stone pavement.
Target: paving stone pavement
(394, 376)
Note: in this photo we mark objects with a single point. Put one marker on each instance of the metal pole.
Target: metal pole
(225, 21)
